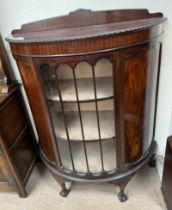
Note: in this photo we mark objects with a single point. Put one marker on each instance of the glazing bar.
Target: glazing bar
(65, 123)
(98, 119)
(80, 118)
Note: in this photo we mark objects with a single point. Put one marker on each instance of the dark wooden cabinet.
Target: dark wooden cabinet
(167, 174)
(17, 143)
(91, 81)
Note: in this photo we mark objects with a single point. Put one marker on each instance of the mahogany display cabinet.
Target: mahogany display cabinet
(91, 81)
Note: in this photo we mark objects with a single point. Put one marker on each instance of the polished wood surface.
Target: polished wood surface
(167, 174)
(41, 116)
(151, 26)
(131, 41)
(9, 127)
(68, 34)
(83, 17)
(17, 143)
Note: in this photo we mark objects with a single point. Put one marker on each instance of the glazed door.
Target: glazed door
(140, 87)
(80, 97)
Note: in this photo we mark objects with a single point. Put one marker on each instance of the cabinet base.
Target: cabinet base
(119, 178)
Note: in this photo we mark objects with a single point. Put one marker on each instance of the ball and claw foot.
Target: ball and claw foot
(122, 196)
(64, 193)
(152, 162)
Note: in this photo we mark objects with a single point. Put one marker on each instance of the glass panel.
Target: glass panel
(94, 157)
(66, 82)
(150, 97)
(106, 118)
(61, 137)
(109, 154)
(103, 68)
(89, 121)
(64, 154)
(107, 128)
(83, 70)
(103, 74)
(83, 74)
(79, 157)
(81, 106)
(49, 81)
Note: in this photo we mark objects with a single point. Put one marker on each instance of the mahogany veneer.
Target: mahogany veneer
(91, 80)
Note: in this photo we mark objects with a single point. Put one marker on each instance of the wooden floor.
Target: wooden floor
(143, 192)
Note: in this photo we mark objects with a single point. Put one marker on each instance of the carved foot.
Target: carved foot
(152, 162)
(122, 196)
(64, 192)
(122, 183)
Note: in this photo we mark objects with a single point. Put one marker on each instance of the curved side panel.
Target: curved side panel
(140, 81)
(38, 108)
(134, 97)
(151, 95)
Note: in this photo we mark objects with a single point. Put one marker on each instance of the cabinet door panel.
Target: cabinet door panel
(140, 82)
(4, 171)
(134, 96)
(13, 124)
(6, 177)
(5, 174)
(24, 153)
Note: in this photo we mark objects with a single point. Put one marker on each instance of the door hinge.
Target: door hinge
(12, 181)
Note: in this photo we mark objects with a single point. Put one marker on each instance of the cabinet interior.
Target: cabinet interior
(81, 102)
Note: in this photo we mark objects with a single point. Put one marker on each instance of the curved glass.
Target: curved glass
(80, 98)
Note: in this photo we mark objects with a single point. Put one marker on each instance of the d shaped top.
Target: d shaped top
(83, 24)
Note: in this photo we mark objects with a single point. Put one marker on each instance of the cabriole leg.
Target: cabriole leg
(64, 191)
(121, 195)
(152, 161)
(122, 183)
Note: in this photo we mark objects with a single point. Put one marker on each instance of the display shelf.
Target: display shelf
(85, 89)
(90, 126)
(93, 153)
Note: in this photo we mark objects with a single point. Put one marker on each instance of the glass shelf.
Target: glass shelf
(85, 89)
(90, 126)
